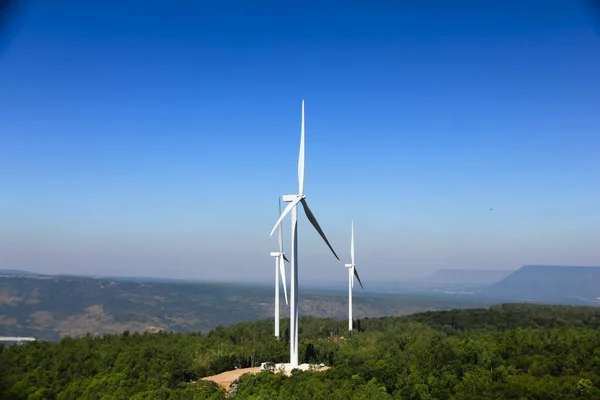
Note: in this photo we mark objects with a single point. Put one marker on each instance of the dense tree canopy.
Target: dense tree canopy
(506, 352)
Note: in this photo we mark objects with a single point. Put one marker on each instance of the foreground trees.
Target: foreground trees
(506, 352)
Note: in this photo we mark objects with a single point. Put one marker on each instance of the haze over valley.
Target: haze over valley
(52, 306)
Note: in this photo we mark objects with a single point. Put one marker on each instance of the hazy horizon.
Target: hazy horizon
(154, 141)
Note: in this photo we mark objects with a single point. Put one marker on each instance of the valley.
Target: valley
(50, 307)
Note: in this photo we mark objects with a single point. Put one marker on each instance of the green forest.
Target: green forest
(509, 351)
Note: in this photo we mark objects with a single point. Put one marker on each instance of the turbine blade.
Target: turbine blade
(301, 157)
(285, 212)
(352, 244)
(358, 277)
(285, 258)
(313, 221)
(280, 230)
(283, 280)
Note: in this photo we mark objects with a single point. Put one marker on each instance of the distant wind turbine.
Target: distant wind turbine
(279, 267)
(352, 272)
(294, 199)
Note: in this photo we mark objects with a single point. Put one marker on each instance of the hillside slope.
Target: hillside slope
(49, 307)
(547, 283)
(467, 276)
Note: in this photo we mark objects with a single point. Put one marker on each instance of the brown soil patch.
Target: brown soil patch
(224, 379)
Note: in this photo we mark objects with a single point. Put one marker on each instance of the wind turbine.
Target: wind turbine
(279, 267)
(352, 271)
(294, 199)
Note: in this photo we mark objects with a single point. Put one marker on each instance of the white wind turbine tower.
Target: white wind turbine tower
(352, 271)
(294, 199)
(279, 267)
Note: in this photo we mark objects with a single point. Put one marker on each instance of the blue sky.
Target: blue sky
(153, 138)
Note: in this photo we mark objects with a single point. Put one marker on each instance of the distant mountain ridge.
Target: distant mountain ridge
(468, 276)
(19, 272)
(551, 283)
(16, 272)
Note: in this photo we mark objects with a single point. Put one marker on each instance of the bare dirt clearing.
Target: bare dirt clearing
(224, 379)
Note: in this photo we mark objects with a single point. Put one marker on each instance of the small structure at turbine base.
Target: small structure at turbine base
(287, 368)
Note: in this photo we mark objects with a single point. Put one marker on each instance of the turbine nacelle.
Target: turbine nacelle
(294, 200)
(352, 271)
(291, 197)
(352, 265)
(278, 254)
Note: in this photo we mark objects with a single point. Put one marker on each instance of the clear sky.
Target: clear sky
(153, 138)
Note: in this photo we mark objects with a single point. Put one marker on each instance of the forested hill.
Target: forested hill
(511, 351)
